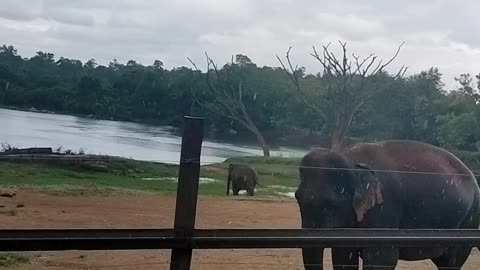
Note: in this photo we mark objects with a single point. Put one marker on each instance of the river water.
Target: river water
(116, 138)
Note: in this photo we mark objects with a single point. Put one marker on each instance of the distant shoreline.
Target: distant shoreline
(32, 109)
(296, 141)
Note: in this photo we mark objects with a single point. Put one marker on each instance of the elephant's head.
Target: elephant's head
(333, 192)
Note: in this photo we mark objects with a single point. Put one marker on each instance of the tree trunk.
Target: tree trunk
(339, 133)
(250, 125)
(260, 139)
(342, 126)
(262, 142)
(324, 129)
(344, 120)
(336, 143)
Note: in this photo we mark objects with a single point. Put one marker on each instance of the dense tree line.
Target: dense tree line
(415, 107)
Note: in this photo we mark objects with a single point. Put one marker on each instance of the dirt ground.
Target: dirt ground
(43, 210)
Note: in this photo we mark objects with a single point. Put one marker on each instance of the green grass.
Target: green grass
(11, 260)
(274, 173)
(280, 175)
(55, 176)
(130, 175)
(271, 171)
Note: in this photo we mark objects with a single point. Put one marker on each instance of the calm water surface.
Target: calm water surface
(125, 139)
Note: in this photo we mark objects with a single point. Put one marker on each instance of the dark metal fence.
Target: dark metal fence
(183, 238)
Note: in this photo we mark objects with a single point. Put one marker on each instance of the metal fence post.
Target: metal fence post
(187, 189)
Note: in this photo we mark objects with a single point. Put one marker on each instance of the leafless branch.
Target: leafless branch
(222, 112)
(227, 98)
(395, 55)
(346, 64)
(223, 91)
(292, 74)
(193, 64)
(381, 67)
(365, 71)
(401, 72)
(352, 80)
(359, 64)
(231, 103)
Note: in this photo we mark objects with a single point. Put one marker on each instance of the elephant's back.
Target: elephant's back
(410, 157)
(427, 179)
(242, 173)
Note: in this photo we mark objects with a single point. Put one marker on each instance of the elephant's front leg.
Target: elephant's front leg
(380, 258)
(345, 259)
(312, 258)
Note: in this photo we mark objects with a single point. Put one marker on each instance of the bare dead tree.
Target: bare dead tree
(347, 82)
(227, 99)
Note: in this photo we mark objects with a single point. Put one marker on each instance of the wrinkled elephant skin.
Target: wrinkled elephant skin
(390, 184)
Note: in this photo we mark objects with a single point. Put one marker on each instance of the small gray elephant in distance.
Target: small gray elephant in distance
(242, 177)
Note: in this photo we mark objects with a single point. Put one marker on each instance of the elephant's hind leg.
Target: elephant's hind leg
(345, 259)
(453, 259)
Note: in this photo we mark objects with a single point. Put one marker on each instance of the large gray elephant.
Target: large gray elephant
(242, 177)
(390, 184)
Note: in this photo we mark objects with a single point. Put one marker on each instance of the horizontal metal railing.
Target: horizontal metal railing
(122, 239)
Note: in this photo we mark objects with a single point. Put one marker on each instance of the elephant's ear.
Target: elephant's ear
(368, 190)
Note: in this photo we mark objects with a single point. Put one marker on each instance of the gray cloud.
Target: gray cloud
(69, 16)
(437, 33)
(31, 10)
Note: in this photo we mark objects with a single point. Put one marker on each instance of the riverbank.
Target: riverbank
(119, 175)
(90, 116)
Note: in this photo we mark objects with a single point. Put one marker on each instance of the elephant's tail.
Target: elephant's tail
(255, 175)
(258, 183)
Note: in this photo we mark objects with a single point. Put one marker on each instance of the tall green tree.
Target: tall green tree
(342, 101)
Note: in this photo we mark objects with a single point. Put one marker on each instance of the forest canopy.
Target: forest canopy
(416, 107)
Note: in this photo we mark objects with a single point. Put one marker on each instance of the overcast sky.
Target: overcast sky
(441, 33)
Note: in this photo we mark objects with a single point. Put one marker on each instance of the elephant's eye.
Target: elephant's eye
(339, 189)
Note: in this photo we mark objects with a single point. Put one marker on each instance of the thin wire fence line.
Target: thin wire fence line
(334, 168)
(385, 171)
(197, 161)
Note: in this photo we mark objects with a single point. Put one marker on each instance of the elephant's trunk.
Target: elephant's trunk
(229, 179)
